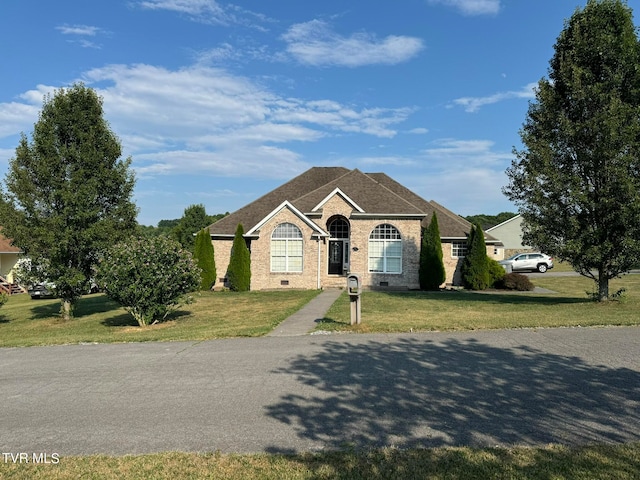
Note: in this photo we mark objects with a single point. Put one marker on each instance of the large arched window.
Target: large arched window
(385, 249)
(286, 248)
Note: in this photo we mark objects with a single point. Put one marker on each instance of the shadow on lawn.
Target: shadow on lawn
(493, 296)
(417, 393)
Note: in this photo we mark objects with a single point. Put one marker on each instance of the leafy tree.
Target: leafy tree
(193, 220)
(475, 265)
(149, 277)
(239, 270)
(205, 259)
(67, 195)
(432, 273)
(577, 179)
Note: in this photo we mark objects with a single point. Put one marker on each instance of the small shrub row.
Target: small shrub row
(515, 281)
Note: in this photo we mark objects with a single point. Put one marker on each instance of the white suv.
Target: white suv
(529, 262)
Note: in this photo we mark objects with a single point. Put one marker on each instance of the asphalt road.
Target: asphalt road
(309, 393)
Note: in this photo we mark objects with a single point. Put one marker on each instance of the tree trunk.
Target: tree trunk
(66, 310)
(603, 287)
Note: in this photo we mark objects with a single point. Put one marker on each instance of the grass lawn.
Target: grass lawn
(463, 310)
(619, 462)
(224, 314)
(27, 322)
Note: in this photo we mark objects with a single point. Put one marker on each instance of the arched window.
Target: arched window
(385, 249)
(286, 248)
(339, 228)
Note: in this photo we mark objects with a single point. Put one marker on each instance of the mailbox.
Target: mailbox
(354, 284)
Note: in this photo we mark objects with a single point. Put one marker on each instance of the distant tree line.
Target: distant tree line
(194, 219)
(488, 221)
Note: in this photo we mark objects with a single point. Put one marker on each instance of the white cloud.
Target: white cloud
(191, 7)
(259, 161)
(472, 7)
(456, 154)
(208, 121)
(473, 104)
(418, 131)
(387, 161)
(85, 30)
(314, 43)
(209, 11)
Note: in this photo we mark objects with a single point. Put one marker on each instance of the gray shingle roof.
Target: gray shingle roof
(375, 193)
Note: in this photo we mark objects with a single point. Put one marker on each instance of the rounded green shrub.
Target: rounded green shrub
(149, 277)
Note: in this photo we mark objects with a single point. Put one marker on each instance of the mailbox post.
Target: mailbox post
(354, 289)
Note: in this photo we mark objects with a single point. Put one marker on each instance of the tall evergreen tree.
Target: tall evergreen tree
(193, 220)
(576, 182)
(475, 265)
(67, 194)
(204, 256)
(432, 272)
(239, 271)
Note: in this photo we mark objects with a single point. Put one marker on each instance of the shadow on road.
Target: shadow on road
(417, 393)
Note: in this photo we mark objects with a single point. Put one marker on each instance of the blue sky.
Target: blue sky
(218, 103)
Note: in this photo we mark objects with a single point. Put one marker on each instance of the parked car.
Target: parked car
(42, 290)
(535, 261)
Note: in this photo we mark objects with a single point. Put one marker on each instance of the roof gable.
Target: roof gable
(252, 213)
(340, 193)
(318, 231)
(363, 191)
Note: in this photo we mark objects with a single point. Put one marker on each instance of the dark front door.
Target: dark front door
(336, 260)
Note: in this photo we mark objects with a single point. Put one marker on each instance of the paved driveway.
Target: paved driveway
(528, 387)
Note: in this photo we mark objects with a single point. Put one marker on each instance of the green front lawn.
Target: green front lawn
(619, 462)
(26, 322)
(464, 310)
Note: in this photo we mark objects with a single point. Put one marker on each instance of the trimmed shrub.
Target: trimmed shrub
(149, 277)
(475, 266)
(515, 281)
(496, 272)
(239, 270)
(204, 256)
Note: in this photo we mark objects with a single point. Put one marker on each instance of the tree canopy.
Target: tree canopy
(67, 194)
(576, 182)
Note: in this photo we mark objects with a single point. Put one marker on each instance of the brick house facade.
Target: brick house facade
(330, 221)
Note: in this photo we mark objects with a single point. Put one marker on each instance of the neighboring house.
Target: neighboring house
(509, 233)
(9, 256)
(330, 221)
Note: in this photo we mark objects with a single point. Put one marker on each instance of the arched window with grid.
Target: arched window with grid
(286, 248)
(385, 249)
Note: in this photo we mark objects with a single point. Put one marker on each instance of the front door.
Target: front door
(336, 259)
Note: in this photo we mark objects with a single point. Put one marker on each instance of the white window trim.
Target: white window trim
(286, 255)
(385, 242)
(453, 248)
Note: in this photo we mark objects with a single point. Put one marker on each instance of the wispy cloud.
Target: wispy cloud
(314, 43)
(80, 34)
(473, 104)
(471, 7)
(209, 11)
(85, 30)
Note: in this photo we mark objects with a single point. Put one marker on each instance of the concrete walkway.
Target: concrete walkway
(305, 319)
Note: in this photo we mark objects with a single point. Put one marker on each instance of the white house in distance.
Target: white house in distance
(509, 233)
